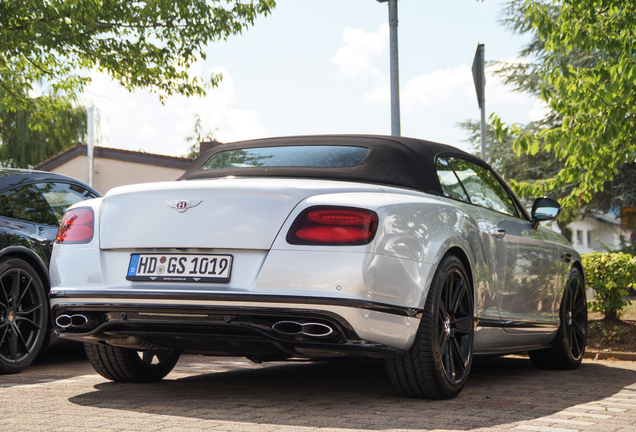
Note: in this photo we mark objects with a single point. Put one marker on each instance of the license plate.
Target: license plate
(179, 268)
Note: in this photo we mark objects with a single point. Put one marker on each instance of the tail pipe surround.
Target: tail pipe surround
(293, 328)
(74, 321)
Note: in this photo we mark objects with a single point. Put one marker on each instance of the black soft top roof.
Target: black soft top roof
(398, 161)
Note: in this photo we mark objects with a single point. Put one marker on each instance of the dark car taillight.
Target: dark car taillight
(335, 226)
(77, 226)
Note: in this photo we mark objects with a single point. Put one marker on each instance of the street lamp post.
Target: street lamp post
(395, 79)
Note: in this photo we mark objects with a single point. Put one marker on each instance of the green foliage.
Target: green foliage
(149, 44)
(611, 275)
(28, 139)
(592, 99)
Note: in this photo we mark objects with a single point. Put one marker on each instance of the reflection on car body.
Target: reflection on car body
(361, 246)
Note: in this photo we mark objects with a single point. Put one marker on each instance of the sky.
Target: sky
(322, 67)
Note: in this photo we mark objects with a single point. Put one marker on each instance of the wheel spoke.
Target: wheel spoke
(574, 343)
(579, 329)
(448, 291)
(579, 307)
(449, 365)
(13, 346)
(24, 291)
(15, 285)
(21, 339)
(443, 340)
(30, 310)
(443, 313)
(27, 320)
(4, 334)
(3, 291)
(462, 325)
(460, 355)
(457, 296)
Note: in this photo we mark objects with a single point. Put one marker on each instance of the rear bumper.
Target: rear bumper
(233, 324)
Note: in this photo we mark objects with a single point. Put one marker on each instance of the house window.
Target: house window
(590, 239)
(579, 237)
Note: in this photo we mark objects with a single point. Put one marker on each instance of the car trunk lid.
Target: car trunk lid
(218, 213)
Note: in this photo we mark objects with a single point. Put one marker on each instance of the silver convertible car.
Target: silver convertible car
(320, 247)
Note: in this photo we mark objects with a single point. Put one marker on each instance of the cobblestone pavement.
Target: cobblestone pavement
(61, 392)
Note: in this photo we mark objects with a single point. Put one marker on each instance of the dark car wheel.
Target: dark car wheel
(568, 345)
(438, 363)
(23, 315)
(129, 365)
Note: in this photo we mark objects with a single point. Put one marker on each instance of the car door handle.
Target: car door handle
(566, 257)
(497, 233)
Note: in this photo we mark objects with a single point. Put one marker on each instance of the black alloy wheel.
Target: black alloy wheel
(569, 343)
(23, 315)
(130, 365)
(438, 363)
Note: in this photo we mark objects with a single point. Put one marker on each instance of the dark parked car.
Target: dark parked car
(32, 204)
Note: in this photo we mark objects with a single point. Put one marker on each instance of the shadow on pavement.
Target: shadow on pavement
(359, 395)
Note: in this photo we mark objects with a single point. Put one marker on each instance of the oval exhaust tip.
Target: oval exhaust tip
(288, 327)
(78, 320)
(317, 330)
(63, 321)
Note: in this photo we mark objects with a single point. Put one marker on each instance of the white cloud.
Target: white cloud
(360, 51)
(137, 120)
(454, 88)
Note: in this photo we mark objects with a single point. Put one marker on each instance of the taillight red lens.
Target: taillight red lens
(77, 226)
(341, 226)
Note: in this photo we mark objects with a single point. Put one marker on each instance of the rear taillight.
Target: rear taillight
(77, 226)
(337, 226)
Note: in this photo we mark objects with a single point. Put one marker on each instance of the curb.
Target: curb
(609, 355)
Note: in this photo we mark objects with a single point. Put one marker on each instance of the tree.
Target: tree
(522, 167)
(24, 145)
(198, 136)
(148, 44)
(592, 101)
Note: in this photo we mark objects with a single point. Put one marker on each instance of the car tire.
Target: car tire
(568, 346)
(438, 363)
(24, 312)
(129, 365)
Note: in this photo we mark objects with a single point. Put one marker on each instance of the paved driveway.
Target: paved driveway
(62, 393)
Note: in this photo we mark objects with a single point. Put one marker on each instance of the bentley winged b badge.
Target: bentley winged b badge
(183, 205)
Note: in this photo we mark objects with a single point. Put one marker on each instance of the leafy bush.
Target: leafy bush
(611, 275)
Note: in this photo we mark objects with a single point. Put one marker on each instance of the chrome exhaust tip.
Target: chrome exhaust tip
(63, 321)
(317, 330)
(293, 328)
(79, 320)
(74, 321)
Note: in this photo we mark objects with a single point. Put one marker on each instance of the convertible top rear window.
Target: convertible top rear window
(289, 156)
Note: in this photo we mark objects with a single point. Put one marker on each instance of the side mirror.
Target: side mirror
(544, 209)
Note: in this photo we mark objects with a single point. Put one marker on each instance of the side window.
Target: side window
(27, 204)
(451, 186)
(61, 196)
(484, 189)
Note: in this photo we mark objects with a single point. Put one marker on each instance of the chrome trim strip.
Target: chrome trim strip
(245, 298)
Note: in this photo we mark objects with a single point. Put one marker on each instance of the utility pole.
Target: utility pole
(395, 78)
(91, 143)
